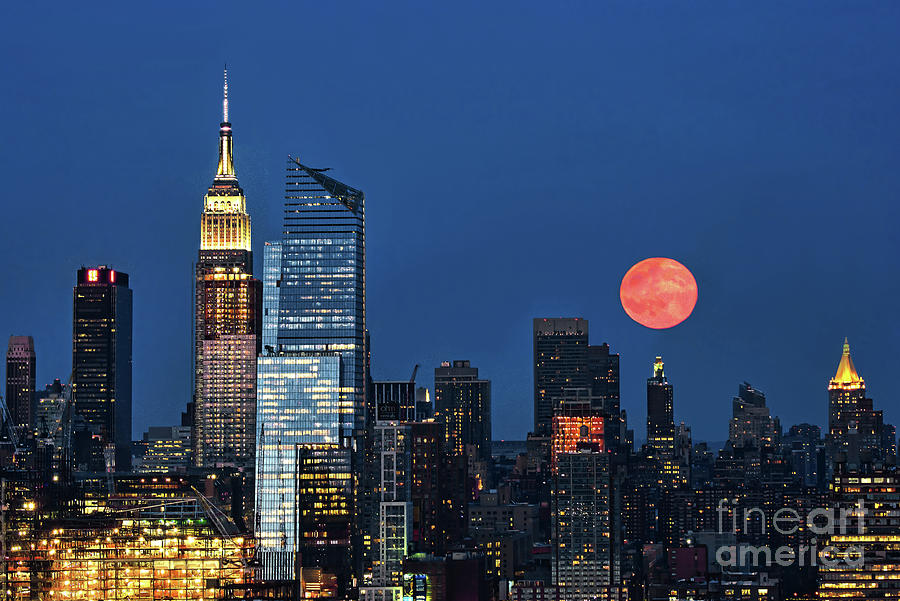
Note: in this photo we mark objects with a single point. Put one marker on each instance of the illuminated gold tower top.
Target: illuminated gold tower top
(846, 375)
(658, 371)
(225, 224)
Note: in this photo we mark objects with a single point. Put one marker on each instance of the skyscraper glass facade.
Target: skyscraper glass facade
(312, 383)
(322, 302)
(271, 292)
(297, 404)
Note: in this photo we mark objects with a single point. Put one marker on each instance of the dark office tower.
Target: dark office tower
(804, 445)
(751, 423)
(20, 385)
(661, 424)
(463, 404)
(603, 373)
(603, 376)
(560, 362)
(438, 490)
(228, 322)
(101, 369)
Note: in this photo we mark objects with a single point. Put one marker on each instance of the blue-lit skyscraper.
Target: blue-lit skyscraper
(296, 402)
(322, 300)
(271, 291)
(312, 384)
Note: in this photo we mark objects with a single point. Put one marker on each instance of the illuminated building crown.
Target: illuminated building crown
(225, 224)
(846, 375)
(659, 369)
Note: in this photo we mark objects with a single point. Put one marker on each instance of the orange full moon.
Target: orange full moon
(658, 293)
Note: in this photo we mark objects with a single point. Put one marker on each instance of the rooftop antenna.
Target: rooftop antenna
(225, 99)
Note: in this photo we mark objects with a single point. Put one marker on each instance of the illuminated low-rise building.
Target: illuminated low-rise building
(168, 544)
(458, 576)
(168, 450)
(861, 559)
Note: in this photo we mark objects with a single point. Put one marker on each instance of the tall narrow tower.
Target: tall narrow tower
(855, 427)
(660, 418)
(20, 381)
(101, 370)
(228, 321)
(661, 425)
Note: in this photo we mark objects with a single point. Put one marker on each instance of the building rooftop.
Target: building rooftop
(846, 374)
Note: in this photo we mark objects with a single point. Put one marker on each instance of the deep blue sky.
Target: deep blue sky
(517, 159)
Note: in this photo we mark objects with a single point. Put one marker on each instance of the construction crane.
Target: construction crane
(220, 522)
(412, 378)
(10, 426)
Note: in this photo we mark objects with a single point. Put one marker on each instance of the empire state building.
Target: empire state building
(228, 321)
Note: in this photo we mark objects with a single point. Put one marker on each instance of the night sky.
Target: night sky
(517, 159)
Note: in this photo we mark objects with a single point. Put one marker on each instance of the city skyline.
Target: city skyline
(787, 352)
(257, 427)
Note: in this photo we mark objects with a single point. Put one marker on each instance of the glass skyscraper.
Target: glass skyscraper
(322, 300)
(312, 384)
(297, 401)
(271, 290)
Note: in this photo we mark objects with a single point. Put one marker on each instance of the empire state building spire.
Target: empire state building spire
(225, 224)
(226, 148)
(225, 98)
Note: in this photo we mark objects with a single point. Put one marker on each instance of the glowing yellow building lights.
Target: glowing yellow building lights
(113, 558)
